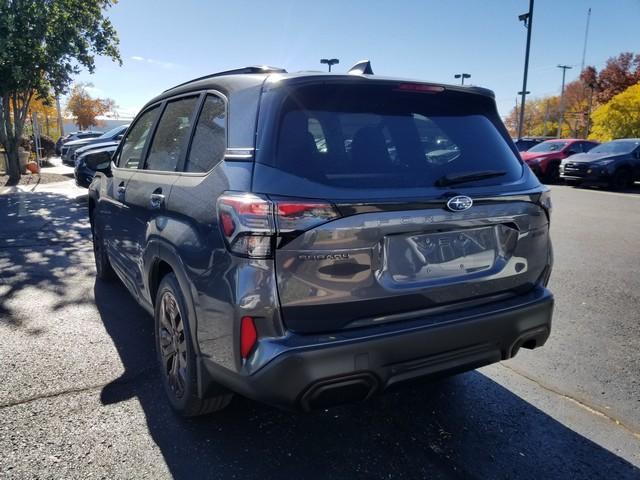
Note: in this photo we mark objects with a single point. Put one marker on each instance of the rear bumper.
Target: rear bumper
(345, 367)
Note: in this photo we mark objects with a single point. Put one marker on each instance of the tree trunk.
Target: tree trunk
(13, 164)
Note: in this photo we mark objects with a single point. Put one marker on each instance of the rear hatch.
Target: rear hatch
(360, 174)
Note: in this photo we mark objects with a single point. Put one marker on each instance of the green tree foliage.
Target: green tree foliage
(43, 43)
(619, 117)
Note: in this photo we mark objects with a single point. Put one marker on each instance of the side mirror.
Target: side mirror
(100, 162)
(571, 151)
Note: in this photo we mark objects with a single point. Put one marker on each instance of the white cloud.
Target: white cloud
(151, 61)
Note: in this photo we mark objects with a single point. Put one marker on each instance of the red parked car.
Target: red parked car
(544, 159)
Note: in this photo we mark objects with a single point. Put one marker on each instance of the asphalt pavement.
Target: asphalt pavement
(80, 396)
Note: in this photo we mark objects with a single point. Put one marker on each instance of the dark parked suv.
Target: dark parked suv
(615, 164)
(308, 239)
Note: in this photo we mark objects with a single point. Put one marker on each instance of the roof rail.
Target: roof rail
(235, 71)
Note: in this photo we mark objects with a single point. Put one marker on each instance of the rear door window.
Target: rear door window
(133, 145)
(377, 137)
(172, 135)
(210, 138)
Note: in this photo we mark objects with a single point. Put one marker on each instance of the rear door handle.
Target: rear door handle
(156, 201)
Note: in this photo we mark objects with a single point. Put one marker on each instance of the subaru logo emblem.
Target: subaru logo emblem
(459, 203)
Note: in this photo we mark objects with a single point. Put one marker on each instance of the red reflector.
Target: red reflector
(228, 226)
(420, 88)
(248, 336)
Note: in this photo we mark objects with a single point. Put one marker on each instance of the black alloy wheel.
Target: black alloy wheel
(173, 346)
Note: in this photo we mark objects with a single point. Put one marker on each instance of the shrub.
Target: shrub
(48, 146)
(25, 143)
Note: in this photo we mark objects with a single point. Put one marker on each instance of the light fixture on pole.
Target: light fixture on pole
(527, 19)
(462, 76)
(329, 61)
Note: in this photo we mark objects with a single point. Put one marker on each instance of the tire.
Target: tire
(175, 353)
(104, 271)
(620, 180)
(552, 175)
(572, 183)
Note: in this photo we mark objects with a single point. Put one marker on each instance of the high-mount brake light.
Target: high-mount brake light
(419, 88)
(250, 223)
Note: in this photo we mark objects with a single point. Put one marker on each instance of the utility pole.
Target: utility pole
(60, 124)
(527, 19)
(546, 118)
(592, 88)
(586, 35)
(462, 76)
(561, 114)
(330, 62)
(517, 118)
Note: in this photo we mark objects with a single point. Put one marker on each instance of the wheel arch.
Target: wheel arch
(162, 259)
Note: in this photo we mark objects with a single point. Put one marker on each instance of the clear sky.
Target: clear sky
(167, 42)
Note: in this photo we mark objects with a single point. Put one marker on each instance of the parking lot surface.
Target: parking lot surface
(80, 396)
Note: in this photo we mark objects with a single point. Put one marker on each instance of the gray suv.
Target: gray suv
(309, 239)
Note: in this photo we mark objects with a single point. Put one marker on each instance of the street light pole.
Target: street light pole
(527, 18)
(561, 114)
(330, 62)
(520, 127)
(462, 76)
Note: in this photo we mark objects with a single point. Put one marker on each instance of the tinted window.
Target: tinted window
(113, 132)
(172, 135)
(616, 147)
(524, 145)
(548, 147)
(133, 144)
(210, 139)
(575, 147)
(380, 137)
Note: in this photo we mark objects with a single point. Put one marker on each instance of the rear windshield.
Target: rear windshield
(359, 136)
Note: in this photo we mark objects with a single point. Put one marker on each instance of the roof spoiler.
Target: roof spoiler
(363, 67)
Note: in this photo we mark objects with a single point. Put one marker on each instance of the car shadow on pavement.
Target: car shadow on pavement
(467, 426)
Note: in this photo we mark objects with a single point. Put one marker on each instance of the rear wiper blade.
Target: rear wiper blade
(468, 177)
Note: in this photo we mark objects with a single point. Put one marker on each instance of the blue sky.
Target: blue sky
(167, 42)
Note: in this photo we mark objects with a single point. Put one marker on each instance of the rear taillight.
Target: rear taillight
(300, 216)
(545, 202)
(250, 223)
(246, 222)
